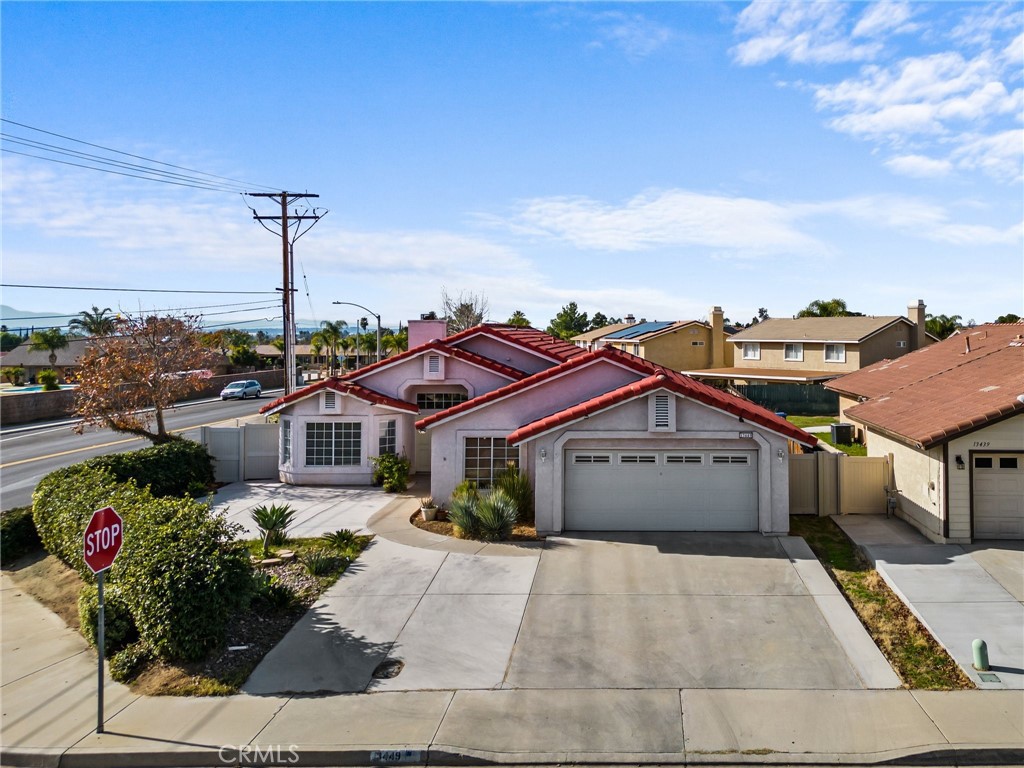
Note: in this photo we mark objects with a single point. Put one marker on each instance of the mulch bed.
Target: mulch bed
(442, 527)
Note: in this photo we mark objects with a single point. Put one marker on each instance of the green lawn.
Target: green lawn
(856, 449)
(811, 421)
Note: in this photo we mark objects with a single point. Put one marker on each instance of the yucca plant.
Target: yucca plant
(496, 515)
(517, 485)
(462, 516)
(272, 522)
(318, 562)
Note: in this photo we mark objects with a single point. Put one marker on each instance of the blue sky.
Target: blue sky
(654, 159)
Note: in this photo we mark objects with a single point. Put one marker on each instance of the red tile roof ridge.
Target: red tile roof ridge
(537, 341)
(337, 384)
(445, 348)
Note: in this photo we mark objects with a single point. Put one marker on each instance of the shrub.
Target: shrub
(18, 535)
(119, 629)
(318, 562)
(462, 515)
(179, 571)
(48, 378)
(178, 468)
(342, 540)
(272, 522)
(517, 485)
(495, 515)
(467, 489)
(268, 592)
(125, 665)
(391, 471)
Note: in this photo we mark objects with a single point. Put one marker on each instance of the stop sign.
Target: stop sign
(103, 538)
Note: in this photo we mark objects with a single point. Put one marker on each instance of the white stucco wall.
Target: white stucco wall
(405, 377)
(370, 417)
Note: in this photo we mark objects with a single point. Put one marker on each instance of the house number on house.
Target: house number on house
(982, 443)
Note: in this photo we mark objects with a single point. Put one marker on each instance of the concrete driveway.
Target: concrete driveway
(636, 611)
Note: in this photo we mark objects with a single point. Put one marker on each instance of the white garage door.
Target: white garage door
(700, 490)
(999, 496)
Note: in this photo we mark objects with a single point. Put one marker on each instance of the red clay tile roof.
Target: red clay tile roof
(444, 348)
(636, 363)
(345, 388)
(542, 343)
(940, 392)
(677, 382)
(674, 382)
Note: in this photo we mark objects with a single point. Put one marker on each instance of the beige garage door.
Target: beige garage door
(998, 496)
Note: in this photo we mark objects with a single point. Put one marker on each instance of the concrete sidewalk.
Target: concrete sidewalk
(49, 719)
(959, 592)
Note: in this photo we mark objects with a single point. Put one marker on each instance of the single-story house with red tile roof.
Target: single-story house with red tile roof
(609, 440)
(952, 416)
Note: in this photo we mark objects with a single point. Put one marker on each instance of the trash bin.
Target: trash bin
(842, 434)
(781, 414)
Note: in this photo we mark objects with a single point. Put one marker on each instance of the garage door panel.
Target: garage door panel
(998, 496)
(661, 491)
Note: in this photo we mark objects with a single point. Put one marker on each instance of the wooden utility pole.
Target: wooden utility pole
(287, 273)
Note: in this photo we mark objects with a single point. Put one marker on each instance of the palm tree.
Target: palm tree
(825, 308)
(49, 340)
(95, 323)
(519, 319)
(330, 335)
(942, 326)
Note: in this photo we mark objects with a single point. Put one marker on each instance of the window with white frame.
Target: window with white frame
(432, 401)
(388, 441)
(636, 349)
(835, 353)
(696, 343)
(793, 352)
(334, 444)
(486, 458)
(286, 441)
(751, 350)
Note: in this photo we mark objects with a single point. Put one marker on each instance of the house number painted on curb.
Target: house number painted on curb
(391, 756)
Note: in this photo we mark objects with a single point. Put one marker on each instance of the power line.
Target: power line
(135, 290)
(243, 184)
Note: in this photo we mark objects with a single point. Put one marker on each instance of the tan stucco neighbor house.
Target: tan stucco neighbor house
(952, 416)
(678, 345)
(610, 441)
(815, 349)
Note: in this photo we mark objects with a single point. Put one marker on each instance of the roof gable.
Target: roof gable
(345, 388)
(443, 348)
(673, 382)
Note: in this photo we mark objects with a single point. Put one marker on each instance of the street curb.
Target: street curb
(321, 757)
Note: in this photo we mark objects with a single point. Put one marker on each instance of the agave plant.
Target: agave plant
(462, 516)
(496, 515)
(272, 522)
(318, 562)
(342, 540)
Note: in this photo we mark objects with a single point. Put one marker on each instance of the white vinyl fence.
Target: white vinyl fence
(247, 452)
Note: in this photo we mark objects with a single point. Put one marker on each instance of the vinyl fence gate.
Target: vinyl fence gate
(246, 452)
(824, 484)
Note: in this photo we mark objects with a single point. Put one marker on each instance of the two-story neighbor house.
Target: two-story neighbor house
(610, 441)
(678, 345)
(815, 349)
(952, 416)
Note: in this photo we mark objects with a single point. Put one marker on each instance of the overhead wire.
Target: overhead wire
(135, 290)
(236, 183)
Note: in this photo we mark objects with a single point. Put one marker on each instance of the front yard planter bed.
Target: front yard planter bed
(441, 526)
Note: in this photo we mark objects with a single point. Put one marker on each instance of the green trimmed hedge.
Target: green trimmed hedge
(180, 573)
(176, 468)
(18, 536)
(118, 626)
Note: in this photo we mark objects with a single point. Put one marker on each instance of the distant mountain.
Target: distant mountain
(19, 319)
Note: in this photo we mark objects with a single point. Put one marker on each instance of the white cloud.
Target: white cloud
(673, 217)
(883, 18)
(636, 35)
(801, 32)
(999, 155)
(919, 166)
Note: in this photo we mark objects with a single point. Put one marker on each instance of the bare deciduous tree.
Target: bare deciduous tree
(464, 310)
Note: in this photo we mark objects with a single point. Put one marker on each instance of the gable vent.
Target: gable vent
(661, 419)
(434, 364)
(330, 401)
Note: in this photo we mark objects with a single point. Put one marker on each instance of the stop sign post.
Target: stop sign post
(101, 544)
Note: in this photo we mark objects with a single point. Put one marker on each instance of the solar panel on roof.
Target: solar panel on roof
(638, 330)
